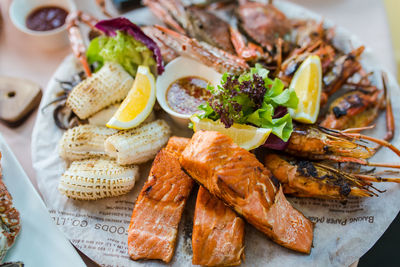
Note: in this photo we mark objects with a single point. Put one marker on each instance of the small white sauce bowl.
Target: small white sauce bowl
(179, 68)
(50, 40)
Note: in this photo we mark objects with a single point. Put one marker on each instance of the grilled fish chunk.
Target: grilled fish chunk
(176, 145)
(154, 224)
(218, 233)
(235, 176)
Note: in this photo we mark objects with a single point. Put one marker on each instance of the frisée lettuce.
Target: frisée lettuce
(252, 98)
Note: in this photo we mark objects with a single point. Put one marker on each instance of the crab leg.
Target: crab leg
(161, 12)
(76, 38)
(249, 52)
(207, 54)
(102, 5)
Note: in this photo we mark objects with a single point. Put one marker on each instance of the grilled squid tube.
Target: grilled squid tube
(139, 144)
(84, 141)
(109, 85)
(97, 178)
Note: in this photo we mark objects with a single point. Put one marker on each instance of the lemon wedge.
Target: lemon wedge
(307, 82)
(139, 102)
(245, 136)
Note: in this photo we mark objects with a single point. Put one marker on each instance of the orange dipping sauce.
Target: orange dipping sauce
(187, 93)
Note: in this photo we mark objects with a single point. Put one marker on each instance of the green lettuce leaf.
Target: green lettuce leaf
(123, 49)
(237, 100)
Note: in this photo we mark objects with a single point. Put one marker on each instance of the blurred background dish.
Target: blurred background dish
(43, 20)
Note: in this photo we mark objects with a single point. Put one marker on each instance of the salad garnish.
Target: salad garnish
(125, 43)
(252, 98)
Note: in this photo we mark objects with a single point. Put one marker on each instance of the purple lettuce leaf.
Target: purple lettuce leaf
(109, 27)
(275, 143)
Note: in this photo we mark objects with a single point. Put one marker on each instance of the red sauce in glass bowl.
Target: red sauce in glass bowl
(46, 18)
(186, 94)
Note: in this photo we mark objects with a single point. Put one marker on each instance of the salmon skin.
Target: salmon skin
(235, 176)
(218, 233)
(154, 224)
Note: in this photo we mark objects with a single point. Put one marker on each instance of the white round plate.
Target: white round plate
(343, 233)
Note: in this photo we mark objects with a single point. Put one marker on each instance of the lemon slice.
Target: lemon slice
(139, 102)
(307, 82)
(245, 136)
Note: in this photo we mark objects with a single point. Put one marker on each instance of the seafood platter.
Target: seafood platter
(234, 133)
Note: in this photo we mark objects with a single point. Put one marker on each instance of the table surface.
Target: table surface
(20, 57)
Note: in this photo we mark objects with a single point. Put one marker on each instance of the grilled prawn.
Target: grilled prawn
(359, 107)
(311, 142)
(235, 176)
(311, 179)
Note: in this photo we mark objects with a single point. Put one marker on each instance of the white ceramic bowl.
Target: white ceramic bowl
(179, 68)
(53, 39)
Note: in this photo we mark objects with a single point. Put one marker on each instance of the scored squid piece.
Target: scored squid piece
(96, 178)
(218, 233)
(84, 141)
(139, 144)
(154, 224)
(236, 176)
(109, 85)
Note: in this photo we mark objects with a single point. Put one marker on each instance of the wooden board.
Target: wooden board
(18, 97)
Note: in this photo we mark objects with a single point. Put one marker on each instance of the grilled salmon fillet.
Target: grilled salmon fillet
(176, 145)
(154, 224)
(235, 176)
(218, 233)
